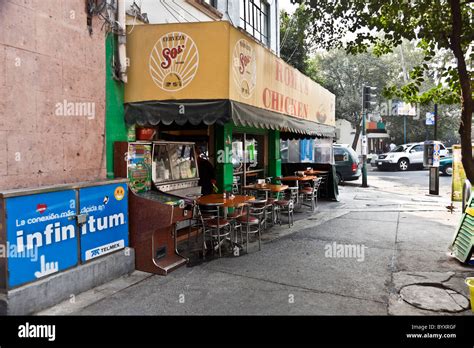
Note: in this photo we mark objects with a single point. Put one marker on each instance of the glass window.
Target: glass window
(161, 164)
(399, 148)
(183, 164)
(254, 16)
(323, 150)
(247, 156)
(173, 162)
(306, 150)
(284, 151)
(417, 148)
(294, 151)
(339, 155)
(211, 2)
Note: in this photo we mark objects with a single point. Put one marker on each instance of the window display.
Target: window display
(173, 162)
(318, 150)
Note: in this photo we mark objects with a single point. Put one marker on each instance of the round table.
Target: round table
(234, 201)
(218, 198)
(296, 178)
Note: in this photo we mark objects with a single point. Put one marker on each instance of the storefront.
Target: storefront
(212, 84)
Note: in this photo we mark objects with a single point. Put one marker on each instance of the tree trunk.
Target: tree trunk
(467, 104)
(356, 135)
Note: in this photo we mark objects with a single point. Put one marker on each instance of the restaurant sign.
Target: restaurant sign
(215, 61)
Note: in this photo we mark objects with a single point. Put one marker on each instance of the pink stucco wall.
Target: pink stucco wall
(47, 57)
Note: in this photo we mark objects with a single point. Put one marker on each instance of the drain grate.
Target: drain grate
(434, 297)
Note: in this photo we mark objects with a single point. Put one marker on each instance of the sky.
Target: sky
(287, 6)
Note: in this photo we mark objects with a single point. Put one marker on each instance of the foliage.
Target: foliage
(344, 73)
(417, 130)
(435, 25)
(296, 38)
(426, 21)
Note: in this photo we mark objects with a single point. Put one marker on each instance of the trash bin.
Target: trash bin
(470, 284)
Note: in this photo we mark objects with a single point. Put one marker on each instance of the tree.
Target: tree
(417, 130)
(344, 74)
(295, 38)
(436, 25)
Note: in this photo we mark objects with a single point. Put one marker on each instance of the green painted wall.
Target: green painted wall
(223, 149)
(115, 128)
(274, 154)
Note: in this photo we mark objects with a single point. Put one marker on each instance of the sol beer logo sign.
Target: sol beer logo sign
(244, 68)
(174, 61)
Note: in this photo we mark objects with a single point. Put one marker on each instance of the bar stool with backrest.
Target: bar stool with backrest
(287, 205)
(214, 225)
(310, 193)
(268, 212)
(253, 221)
(233, 218)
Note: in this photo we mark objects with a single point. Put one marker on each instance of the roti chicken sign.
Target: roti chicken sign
(277, 101)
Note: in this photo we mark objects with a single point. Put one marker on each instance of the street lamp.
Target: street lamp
(367, 102)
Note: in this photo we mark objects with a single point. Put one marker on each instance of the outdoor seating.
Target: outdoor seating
(215, 227)
(286, 205)
(309, 194)
(233, 218)
(253, 221)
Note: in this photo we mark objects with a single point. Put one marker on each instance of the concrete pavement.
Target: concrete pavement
(352, 257)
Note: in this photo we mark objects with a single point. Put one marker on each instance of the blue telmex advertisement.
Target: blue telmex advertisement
(41, 235)
(106, 226)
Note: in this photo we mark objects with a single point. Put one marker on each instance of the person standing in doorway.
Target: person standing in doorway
(207, 174)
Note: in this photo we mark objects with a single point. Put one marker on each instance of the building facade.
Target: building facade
(218, 82)
(52, 94)
(259, 18)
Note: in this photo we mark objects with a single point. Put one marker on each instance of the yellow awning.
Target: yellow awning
(189, 63)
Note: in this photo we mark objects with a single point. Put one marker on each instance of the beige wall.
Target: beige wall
(47, 57)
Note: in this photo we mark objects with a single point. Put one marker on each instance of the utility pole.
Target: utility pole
(435, 122)
(367, 101)
(404, 129)
(364, 151)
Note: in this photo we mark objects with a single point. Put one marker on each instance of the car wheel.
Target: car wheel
(339, 178)
(403, 164)
(448, 170)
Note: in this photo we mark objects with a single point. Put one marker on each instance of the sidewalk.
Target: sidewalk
(400, 240)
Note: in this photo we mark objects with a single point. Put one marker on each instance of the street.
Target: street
(353, 257)
(416, 177)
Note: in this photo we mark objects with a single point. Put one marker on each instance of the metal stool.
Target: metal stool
(253, 221)
(213, 224)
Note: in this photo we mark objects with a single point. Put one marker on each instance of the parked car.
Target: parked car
(347, 163)
(446, 166)
(403, 157)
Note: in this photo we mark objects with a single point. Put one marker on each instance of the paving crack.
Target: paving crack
(297, 287)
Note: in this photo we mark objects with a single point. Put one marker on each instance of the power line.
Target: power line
(167, 9)
(288, 29)
(189, 13)
(292, 54)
